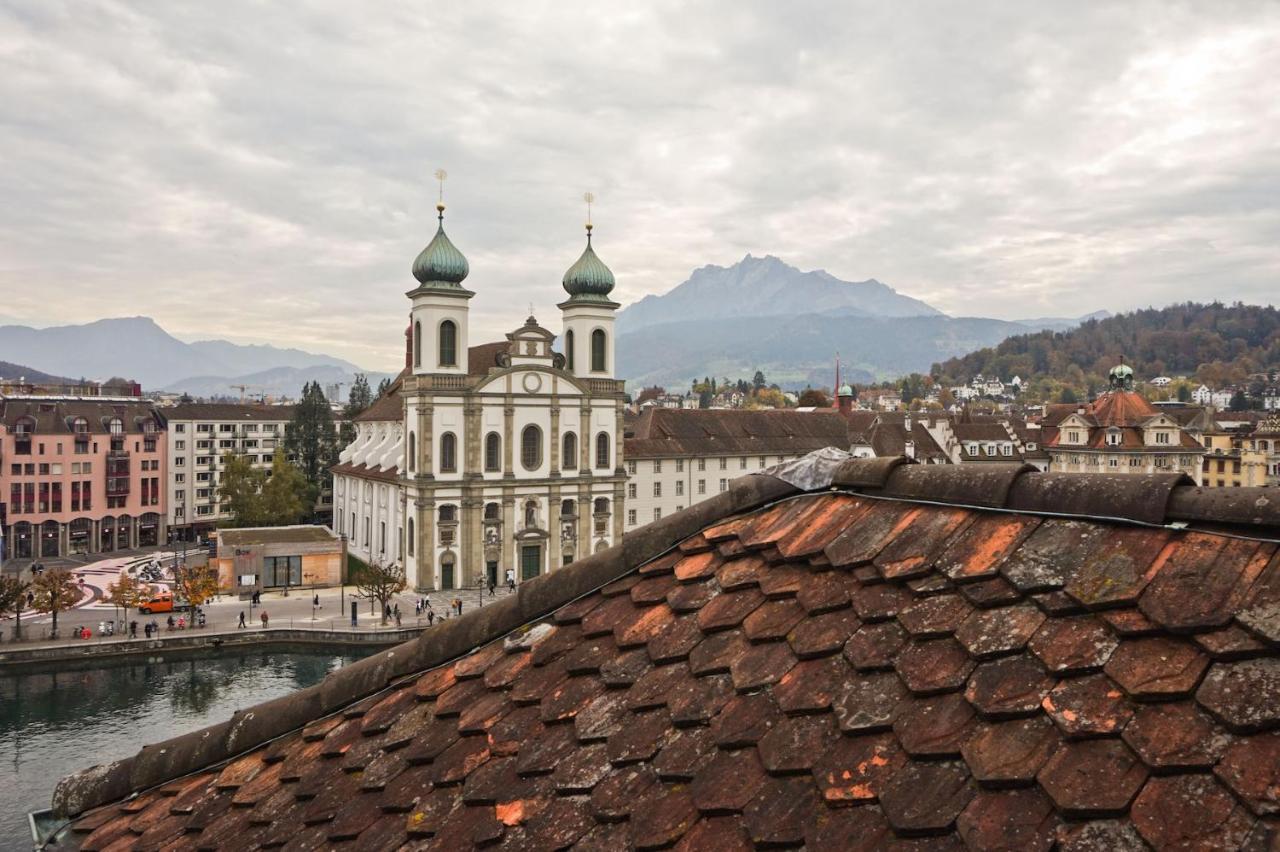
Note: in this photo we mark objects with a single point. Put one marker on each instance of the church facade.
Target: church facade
(496, 460)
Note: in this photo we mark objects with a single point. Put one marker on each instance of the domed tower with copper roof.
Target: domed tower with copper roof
(439, 313)
(588, 313)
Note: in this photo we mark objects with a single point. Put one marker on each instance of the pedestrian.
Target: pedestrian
(397, 616)
(133, 629)
(386, 611)
(417, 607)
(492, 585)
(396, 610)
(315, 601)
(171, 622)
(264, 618)
(431, 617)
(241, 625)
(155, 627)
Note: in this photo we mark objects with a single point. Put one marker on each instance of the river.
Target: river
(55, 722)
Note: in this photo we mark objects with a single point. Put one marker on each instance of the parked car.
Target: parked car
(163, 602)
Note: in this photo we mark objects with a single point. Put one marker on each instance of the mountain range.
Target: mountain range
(138, 348)
(758, 314)
(764, 314)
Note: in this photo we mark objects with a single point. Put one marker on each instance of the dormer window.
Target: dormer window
(1114, 438)
(1073, 437)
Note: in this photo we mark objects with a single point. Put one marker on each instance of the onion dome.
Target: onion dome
(440, 264)
(588, 279)
(1121, 377)
(845, 390)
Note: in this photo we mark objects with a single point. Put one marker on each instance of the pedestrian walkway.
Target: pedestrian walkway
(302, 608)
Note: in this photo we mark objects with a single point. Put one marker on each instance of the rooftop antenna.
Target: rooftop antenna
(441, 175)
(589, 198)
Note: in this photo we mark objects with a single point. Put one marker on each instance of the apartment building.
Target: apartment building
(678, 457)
(199, 436)
(80, 475)
(1230, 464)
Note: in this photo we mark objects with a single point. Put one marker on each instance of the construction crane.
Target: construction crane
(243, 388)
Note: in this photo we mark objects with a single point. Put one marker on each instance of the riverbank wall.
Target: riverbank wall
(168, 647)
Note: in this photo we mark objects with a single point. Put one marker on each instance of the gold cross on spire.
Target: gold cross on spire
(588, 197)
(440, 175)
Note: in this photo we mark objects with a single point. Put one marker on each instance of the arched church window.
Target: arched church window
(531, 447)
(448, 344)
(602, 450)
(568, 349)
(448, 453)
(569, 458)
(413, 452)
(597, 351)
(417, 344)
(492, 452)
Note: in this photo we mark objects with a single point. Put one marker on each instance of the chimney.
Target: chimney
(910, 449)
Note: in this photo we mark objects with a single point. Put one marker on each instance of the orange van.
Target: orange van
(162, 602)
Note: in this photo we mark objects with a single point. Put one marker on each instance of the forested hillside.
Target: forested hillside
(1216, 344)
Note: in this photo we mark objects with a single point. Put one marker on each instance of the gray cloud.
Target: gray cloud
(262, 171)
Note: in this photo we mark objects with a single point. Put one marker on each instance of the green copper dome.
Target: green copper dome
(589, 279)
(845, 389)
(440, 263)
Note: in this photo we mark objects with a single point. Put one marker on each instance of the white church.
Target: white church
(492, 458)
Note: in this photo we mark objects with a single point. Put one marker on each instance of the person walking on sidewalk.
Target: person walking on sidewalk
(241, 625)
(265, 619)
(133, 629)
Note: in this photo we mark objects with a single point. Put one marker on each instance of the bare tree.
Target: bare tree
(380, 583)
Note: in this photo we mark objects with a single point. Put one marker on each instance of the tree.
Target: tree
(360, 397)
(13, 599)
(54, 591)
(196, 584)
(310, 440)
(283, 497)
(128, 593)
(240, 491)
(770, 398)
(758, 381)
(814, 398)
(380, 583)
(1067, 396)
(383, 387)
(1239, 402)
(1184, 393)
(256, 499)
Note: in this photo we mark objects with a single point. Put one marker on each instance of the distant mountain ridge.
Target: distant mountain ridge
(767, 286)
(138, 348)
(18, 372)
(762, 313)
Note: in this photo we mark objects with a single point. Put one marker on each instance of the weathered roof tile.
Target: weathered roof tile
(753, 681)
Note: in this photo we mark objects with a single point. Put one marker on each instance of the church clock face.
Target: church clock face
(532, 382)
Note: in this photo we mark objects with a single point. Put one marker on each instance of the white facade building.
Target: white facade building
(493, 460)
(200, 435)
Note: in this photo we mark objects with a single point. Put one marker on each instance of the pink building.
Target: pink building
(80, 475)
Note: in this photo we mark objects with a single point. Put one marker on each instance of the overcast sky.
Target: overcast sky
(261, 171)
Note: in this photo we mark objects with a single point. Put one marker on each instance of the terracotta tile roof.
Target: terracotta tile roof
(55, 416)
(483, 358)
(363, 471)
(667, 432)
(228, 411)
(388, 406)
(833, 670)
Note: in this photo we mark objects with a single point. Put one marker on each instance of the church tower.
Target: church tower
(588, 315)
(439, 315)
